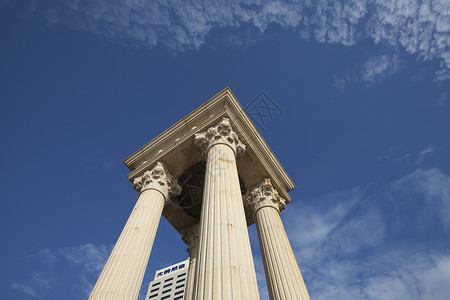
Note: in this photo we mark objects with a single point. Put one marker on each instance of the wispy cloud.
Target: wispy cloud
(416, 157)
(357, 244)
(89, 260)
(45, 255)
(442, 99)
(434, 186)
(43, 279)
(419, 76)
(421, 28)
(429, 149)
(318, 222)
(85, 262)
(425, 153)
(376, 68)
(89, 256)
(23, 288)
(96, 160)
(373, 70)
(31, 8)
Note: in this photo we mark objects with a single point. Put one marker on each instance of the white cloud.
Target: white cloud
(339, 82)
(90, 259)
(350, 245)
(425, 153)
(367, 230)
(108, 165)
(46, 255)
(413, 274)
(429, 149)
(319, 221)
(416, 157)
(436, 279)
(419, 76)
(442, 99)
(23, 288)
(421, 28)
(85, 261)
(376, 68)
(31, 8)
(435, 188)
(45, 278)
(98, 159)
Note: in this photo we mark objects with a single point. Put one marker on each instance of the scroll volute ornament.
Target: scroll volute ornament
(263, 195)
(158, 178)
(222, 133)
(190, 235)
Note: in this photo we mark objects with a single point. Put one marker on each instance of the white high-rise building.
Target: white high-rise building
(169, 283)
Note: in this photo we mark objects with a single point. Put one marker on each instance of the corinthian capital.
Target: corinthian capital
(263, 195)
(190, 235)
(222, 133)
(158, 178)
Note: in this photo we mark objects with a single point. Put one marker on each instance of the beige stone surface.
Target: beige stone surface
(221, 262)
(123, 273)
(283, 277)
(175, 147)
(190, 236)
(225, 267)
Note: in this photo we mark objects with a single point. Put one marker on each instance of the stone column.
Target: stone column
(123, 273)
(190, 237)
(283, 277)
(225, 267)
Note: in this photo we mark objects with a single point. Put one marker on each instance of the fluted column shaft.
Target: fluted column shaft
(123, 273)
(225, 267)
(284, 280)
(283, 277)
(191, 238)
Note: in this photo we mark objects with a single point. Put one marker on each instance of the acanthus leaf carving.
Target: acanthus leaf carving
(263, 195)
(190, 235)
(221, 133)
(158, 178)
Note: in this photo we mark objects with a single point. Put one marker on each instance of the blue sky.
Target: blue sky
(364, 90)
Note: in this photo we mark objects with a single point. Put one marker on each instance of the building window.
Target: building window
(181, 280)
(156, 283)
(177, 298)
(181, 275)
(165, 297)
(169, 284)
(166, 291)
(179, 286)
(179, 292)
(168, 279)
(152, 296)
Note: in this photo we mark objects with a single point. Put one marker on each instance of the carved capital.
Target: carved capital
(190, 235)
(158, 178)
(263, 195)
(222, 133)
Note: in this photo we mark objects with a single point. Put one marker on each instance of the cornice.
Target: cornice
(175, 146)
